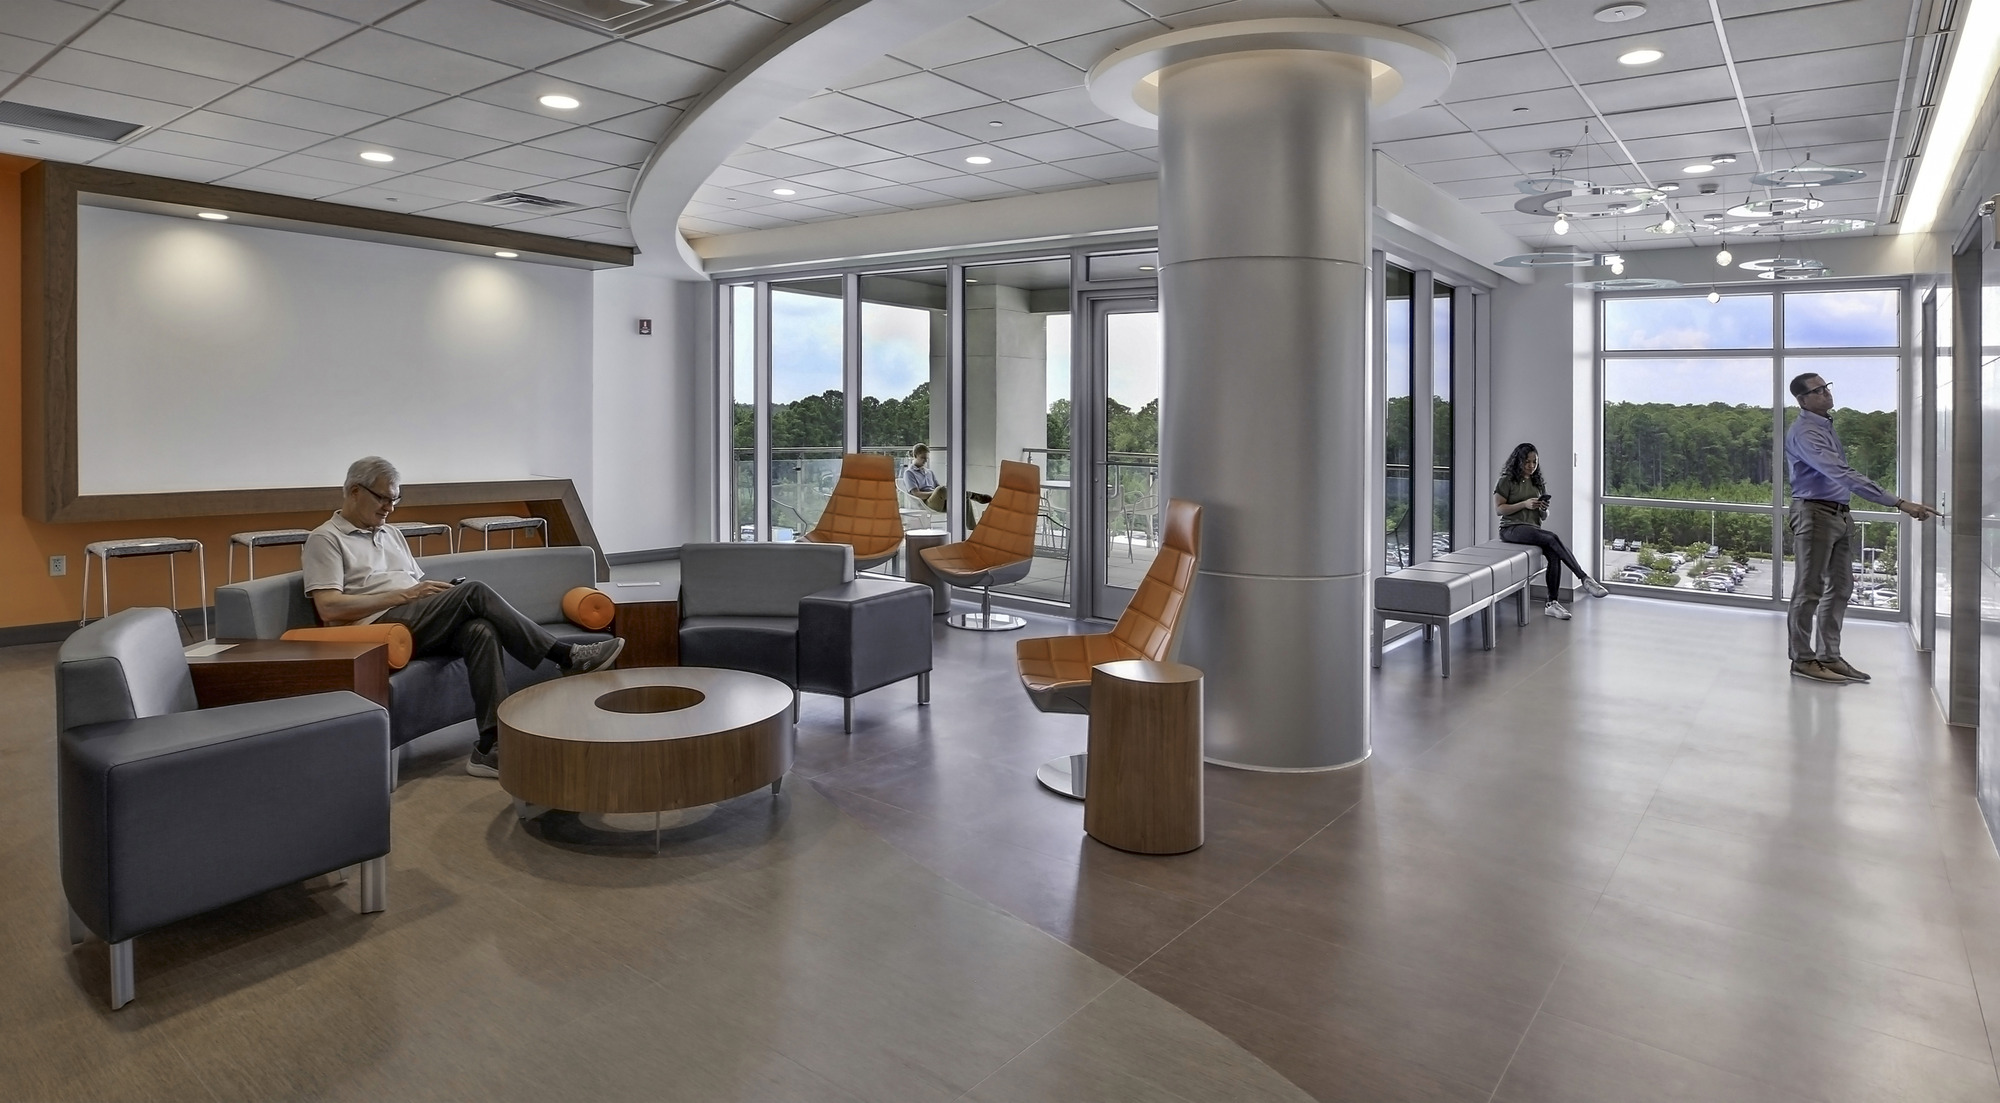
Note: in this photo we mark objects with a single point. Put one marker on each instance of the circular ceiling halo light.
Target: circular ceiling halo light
(1627, 283)
(1796, 227)
(978, 160)
(1549, 185)
(1783, 264)
(1777, 206)
(1606, 202)
(1568, 258)
(377, 156)
(1618, 13)
(560, 102)
(1644, 55)
(506, 254)
(1806, 174)
(213, 216)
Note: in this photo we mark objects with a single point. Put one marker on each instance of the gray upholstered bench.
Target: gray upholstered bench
(1449, 588)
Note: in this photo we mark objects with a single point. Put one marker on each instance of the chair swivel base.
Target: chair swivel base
(1065, 776)
(986, 622)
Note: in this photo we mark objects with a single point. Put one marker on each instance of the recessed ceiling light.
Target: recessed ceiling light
(995, 122)
(506, 254)
(1668, 185)
(377, 156)
(213, 216)
(979, 160)
(1697, 168)
(1145, 268)
(1723, 159)
(561, 103)
(784, 191)
(1645, 55)
(1619, 13)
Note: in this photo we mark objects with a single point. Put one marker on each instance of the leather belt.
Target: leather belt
(1841, 506)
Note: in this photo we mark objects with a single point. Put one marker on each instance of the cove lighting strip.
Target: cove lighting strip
(1973, 61)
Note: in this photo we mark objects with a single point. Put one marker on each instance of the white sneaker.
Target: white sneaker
(1555, 609)
(1595, 588)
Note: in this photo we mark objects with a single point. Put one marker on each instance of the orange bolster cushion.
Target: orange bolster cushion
(589, 608)
(395, 635)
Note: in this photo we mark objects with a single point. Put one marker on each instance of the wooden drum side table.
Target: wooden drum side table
(920, 571)
(1144, 789)
(260, 670)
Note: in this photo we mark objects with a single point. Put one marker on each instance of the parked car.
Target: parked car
(1618, 544)
(1885, 598)
(1635, 545)
(1712, 552)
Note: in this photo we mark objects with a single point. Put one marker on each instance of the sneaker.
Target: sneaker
(1845, 669)
(1811, 668)
(1595, 588)
(587, 657)
(1555, 609)
(484, 763)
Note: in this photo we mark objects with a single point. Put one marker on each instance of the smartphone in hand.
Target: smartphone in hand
(459, 580)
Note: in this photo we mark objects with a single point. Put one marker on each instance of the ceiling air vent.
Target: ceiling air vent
(619, 18)
(522, 201)
(64, 122)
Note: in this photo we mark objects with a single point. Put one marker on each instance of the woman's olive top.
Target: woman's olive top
(1518, 490)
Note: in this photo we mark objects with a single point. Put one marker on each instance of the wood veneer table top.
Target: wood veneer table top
(568, 708)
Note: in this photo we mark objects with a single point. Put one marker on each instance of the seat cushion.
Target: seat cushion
(760, 645)
(1055, 670)
(1438, 590)
(436, 692)
(969, 564)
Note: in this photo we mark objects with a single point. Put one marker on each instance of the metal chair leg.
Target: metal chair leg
(924, 688)
(201, 596)
(83, 613)
(847, 715)
(375, 884)
(77, 931)
(122, 988)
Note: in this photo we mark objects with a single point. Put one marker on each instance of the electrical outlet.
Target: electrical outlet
(58, 566)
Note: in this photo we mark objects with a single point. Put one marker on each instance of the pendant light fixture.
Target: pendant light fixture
(1723, 257)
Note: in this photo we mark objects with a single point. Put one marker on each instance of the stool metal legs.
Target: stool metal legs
(173, 587)
(122, 988)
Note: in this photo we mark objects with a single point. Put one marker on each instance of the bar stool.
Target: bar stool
(487, 526)
(417, 530)
(107, 550)
(266, 538)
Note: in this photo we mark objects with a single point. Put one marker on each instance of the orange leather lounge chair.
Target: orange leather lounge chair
(1055, 670)
(999, 551)
(863, 512)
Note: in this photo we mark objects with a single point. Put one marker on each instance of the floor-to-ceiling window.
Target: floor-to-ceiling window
(1421, 343)
(1694, 481)
(741, 475)
(1399, 423)
(1444, 459)
(905, 360)
(808, 401)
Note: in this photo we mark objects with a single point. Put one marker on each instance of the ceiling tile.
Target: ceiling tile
(959, 41)
(918, 94)
(849, 204)
(46, 21)
(905, 195)
(1443, 147)
(130, 159)
(344, 88)
(972, 188)
(556, 226)
(617, 177)
(882, 68)
(583, 195)
(283, 183)
(765, 196)
(598, 145)
(779, 133)
(348, 171)
(910, 170)
(1040, 178)
(1488, 167)
(1546, 105)
(1233, 10)
(208, 149)
(1680, 119)
(1424, 122)
(1487, 32)
(1112, 166)
(404, 134)
(650, 125)
(955, 158)
(1086, 50)
(89, 101)
(601, 216)
(1825, 103)
(842, 180)
(172, 49)
(1831, 69)
(480, 214)
(44, 145)
(474, 117)
(424, 183)
(493, 31)
(541, 162)
(1123, 135)
(394, 57)
(977, 123)
(214, 124)
(1057, 145)
(1661, 90)
(360, 11)
(491, 178)
(1567, 22)
(637, 71)
(721, 38)
(612, 237)
(524, 93)
(729, 176)
(840, 151)
(1014, 75)
(1071, 107)
(392, 197)
(280, 28)
(841, 114)
(17, 55)
(1506, 76)
(1819, 29)
(771, 163)
(131, 78)
(1685, 48)
(1039, 21)
(262, 105)
(700, 227)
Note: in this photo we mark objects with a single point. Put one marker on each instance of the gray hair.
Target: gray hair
(367, 469)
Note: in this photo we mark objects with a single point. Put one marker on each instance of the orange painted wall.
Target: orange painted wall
(29, 595)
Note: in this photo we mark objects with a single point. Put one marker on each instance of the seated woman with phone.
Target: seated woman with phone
(1522, 500)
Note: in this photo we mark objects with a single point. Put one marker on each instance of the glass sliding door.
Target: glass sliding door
(808, 401)
(1399, 417)
(905, 362)
(1129, 366)
(740, 515)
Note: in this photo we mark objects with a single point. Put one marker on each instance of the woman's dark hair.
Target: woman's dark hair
(1517, 458)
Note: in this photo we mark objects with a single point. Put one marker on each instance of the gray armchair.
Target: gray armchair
(795, 612)
(166, 811)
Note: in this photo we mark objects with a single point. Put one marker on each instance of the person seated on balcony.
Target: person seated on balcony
(1522, 499)
(922, 484)
(359, 570)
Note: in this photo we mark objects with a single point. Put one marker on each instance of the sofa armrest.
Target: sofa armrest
(863, 635)
(170, 816)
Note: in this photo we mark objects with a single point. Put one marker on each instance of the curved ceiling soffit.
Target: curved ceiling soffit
(797, 65)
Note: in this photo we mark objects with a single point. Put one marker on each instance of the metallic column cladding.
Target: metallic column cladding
(1264, 252)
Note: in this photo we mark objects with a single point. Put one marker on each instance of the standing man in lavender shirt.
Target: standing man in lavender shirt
(1823, 532)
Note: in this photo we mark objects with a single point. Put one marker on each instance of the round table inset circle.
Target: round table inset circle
(651, 699)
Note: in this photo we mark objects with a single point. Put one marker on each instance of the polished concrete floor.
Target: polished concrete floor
(1624, 858)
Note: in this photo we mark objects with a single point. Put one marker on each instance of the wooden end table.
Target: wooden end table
(650, 624)
(260, 670)
(1144, 792)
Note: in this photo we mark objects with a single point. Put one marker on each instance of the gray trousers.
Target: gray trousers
(1822, 577)
(471, 621)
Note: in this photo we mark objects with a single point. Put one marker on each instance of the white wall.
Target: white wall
(645, 447)
(1540, 395)
(214, 356)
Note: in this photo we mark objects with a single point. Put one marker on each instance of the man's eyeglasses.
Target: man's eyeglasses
(1821, 389)
(381, 497)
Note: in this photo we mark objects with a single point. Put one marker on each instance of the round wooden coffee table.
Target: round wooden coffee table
(651, 739)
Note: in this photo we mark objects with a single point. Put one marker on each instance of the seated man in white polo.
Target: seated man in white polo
(358, 570)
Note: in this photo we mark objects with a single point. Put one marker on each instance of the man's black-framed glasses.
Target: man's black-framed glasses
(381, 497)
(1821, 389)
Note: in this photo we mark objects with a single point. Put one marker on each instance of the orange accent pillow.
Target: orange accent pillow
(395, 635)
(589, 608)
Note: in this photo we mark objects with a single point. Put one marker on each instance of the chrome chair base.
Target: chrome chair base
(1065, 776)
(986, 622)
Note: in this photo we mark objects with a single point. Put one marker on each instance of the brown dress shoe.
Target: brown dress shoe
(1845, 669)
(1811, 669)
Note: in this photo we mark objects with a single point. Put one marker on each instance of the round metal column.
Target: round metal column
(1265, 205)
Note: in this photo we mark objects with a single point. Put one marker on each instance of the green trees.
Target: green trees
(901, 422)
